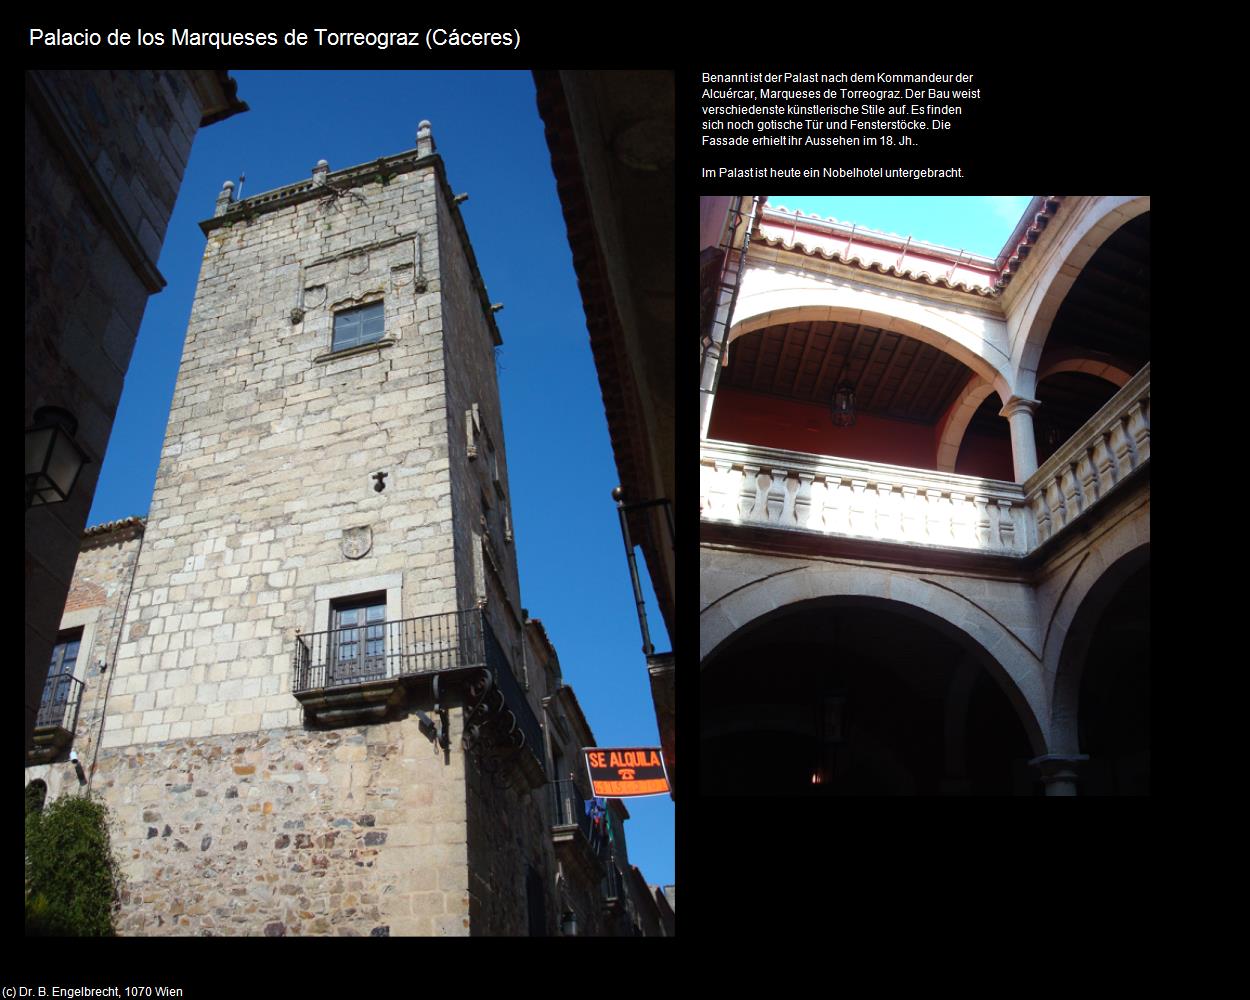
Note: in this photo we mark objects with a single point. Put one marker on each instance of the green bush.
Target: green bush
(71, 874)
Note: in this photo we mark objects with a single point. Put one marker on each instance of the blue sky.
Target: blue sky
(560, 464)
(979, 223)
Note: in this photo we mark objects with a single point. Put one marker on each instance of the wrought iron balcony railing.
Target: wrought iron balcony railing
(340, 673)
(58, 707)
(427, 645)
(614, 891)
(568, 808)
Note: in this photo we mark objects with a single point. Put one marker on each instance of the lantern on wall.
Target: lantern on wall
(53, 458)
(842, 406)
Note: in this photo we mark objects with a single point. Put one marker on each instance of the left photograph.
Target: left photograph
(309, 575)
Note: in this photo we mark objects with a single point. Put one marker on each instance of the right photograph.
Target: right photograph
(924, 495)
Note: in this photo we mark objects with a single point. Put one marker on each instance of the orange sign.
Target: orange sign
(620, 772)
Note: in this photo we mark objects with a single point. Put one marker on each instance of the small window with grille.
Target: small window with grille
(355, 327)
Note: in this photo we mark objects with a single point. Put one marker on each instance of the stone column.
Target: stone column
(1019, 411)
(1059, 771)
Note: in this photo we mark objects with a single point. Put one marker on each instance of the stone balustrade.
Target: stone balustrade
(1114, 442)
(752, 485)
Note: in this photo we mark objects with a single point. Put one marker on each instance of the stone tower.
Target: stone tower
(324, 713)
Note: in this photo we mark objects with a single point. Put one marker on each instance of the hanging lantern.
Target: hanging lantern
(1051, 435)
(53, 457)
(842, 406)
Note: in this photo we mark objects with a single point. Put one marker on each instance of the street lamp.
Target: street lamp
(53, 458)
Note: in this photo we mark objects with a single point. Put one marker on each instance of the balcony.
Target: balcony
(615, 892)
(767, 487)
(572, 833)
(58, 714)
(1113, 445)
(582, 849)
(818, 495)
(349, 676)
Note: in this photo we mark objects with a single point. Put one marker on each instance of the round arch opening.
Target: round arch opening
(859, 696)
(776, 390)
(1103, 685)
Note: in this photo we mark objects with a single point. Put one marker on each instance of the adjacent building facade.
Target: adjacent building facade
(324, 709)
(105, 155)
(611, 136)
(925, 504)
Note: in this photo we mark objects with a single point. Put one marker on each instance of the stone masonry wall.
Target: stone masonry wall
(467, 332)
(507, 822)
(353, 832)
(234, 817)
(508, 833)
(269, 455)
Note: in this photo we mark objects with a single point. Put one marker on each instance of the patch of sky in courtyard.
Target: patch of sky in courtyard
(980, 224)
(560, 463)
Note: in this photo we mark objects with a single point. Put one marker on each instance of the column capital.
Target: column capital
(1018, 404)
(1059, 771)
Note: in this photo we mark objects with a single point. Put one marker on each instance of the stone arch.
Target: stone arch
(954, 423)
(1098, 220)
(770, 298)
(1103, 366)
(1083, 605)
(1012, 665)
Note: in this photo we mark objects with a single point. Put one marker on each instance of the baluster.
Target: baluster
(723, 491)
(803, 500)
(1073, 501)
(1139, 427)
(776, 495)
(1122, 445)
(961, 520)
(913, 514)
(750, 495)
(937, 518)
(816, 516)
(1089, 477)
(1104, 462)
(887, 514)
(1041, 513)
(982, 528)
(861, 522)
(790, 484)
(1006, 525)
(838, 517)
(1054, 500)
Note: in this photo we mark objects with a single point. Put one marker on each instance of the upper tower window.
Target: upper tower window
(353, 327)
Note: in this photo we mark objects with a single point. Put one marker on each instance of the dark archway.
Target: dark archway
(858, 697)
(1104, 680)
